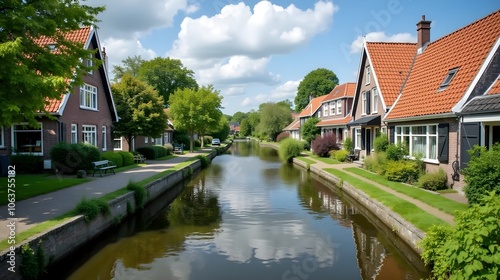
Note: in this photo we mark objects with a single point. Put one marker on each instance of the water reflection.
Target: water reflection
(251, 217)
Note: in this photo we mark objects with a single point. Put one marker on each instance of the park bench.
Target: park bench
(103, 165)
(139, 158)
(178, 148)
(354, 155)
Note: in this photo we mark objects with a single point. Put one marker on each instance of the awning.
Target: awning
(370, 120)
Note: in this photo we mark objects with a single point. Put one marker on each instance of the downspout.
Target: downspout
(456, 164)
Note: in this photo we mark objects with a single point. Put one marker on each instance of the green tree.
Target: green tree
(238, 117)
(253, 121)
(482, 174)
(140, 109)
(30, 73)
(130, 65)
(309, 130)
(167, 75)
(222, 131)
(287, 103)
(245, 128)
(273, 118)
(191, 109)
(211, 115)
(318, 82)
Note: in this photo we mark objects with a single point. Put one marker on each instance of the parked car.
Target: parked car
(215, 142)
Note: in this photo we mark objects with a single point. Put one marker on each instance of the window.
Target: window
(374, 100)
(421, 140)
(447, 79)
(157, 141)
(166, 137)
(368, 74)
(74, 133)
(104, 139)
(27, 139)
(363, 103)
(89, 134)
(146, 139)
(1, 138)
(90, 63)
(357, 145)
(339, 107)
(88, 97)
(117, 144)
(319, 113)
(325, 109)
(332, 108)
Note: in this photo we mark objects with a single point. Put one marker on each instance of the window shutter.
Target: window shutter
(362, 138)
(443, 145)
(470, 136)
(391, 134)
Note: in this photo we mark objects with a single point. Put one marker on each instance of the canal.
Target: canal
(246, 216)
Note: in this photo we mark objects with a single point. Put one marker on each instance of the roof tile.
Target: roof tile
(315, 103)
(343, 90)
(332, 122)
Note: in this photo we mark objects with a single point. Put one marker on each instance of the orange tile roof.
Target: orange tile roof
(343, 90)
(295, 125)
(466, 48)
(333, 122)
(315, 103)
(390, 63)
(495, 89)
(52, 105)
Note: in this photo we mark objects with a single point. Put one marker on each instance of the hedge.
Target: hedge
(127, 158)
(152, 152)
(114, 157)
(69, 158)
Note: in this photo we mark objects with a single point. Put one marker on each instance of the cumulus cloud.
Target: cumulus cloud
(247, 101)
(287, 90)
(119, 49)
(357, 45)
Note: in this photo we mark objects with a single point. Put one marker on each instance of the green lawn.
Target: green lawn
(405, 209)
(437, 201)
(325, 160)
(27, 186)
(306, 160)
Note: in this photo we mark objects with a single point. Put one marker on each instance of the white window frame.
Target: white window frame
(88, 97)
(146, 140)
(14, 144)
(332, 108)
(104, 138)
(368, 74)
(339, 107)
(157, 141)
(89, 132)
(325, 110)
(363, 103)
(357, 138)
(74, 133)
(374, 103)
(121, 144)
(2, 139)
(400, 134)
(319, 113)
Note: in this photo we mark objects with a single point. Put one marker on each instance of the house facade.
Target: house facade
(383, 69)
(336, 112)
(444, 107)
(85, 115)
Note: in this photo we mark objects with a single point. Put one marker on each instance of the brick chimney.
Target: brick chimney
(423, 33)
(105, 59)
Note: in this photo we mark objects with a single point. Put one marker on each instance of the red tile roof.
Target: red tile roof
(390, 63)
(295, 125)
(495, 89)
(315, 103)
(333, 122)
(343, 90)
(466, 49)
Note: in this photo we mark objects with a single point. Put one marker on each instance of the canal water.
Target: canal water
(247, 216)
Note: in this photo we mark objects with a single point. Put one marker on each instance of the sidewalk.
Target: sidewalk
(35, 210)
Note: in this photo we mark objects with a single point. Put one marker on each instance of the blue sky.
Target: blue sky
(259, 51)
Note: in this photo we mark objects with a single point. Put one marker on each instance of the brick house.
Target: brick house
(440, 111)
(85, 115)
(311, 110)
(336, 114)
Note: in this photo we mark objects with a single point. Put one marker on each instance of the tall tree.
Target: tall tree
(287, 103)
(238, 117)
(318, 82)
(195, 110)
(167, 75)
(309, 130)
(245, 128)
(222, 131)
(273, 118)
(140, 109)
(130, 65)
(31, 73)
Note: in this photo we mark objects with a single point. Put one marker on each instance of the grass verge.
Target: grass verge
(440, 202)
(409, 211)
(325, 160)
(306, 160)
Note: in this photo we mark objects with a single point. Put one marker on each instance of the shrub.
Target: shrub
(282, 135)
(323, 145)
(402, 171)
(127, 158)
(114, 157)
(197, 143)
(341, 155)
(204, 160)
(469, 249)
(90, 208)
(482, 174)
(290, 148)
(207, 139)
(26, 163)
(181, 137)
(29, 266)
(309, 130)
(169, 148)
(434, 181)
(380, 143)
(348, 144)
(152, 152)
(69, 158)
(376, 162)
(139, 193)
(396, 152)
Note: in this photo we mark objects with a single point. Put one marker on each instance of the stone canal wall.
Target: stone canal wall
(65, 238)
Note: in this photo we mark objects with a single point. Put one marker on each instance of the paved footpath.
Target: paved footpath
(35, 210)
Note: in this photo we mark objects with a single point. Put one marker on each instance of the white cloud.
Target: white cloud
(119, 49)
(247, 101)
(357, 45)
(287, 90)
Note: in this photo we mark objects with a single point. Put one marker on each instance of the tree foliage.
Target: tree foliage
(470, 249)
(222, 131)
(482, 174)
(211, 115)
(273, 118)
(30, 73)
(309, 130)
(245, 128)
(140, 109)
(316, 83)
(130, 65)
(238, 117)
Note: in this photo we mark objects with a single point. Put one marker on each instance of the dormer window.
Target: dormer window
(447, 79)
(52, 47)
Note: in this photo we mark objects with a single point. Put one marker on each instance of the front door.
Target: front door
(368, 141)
